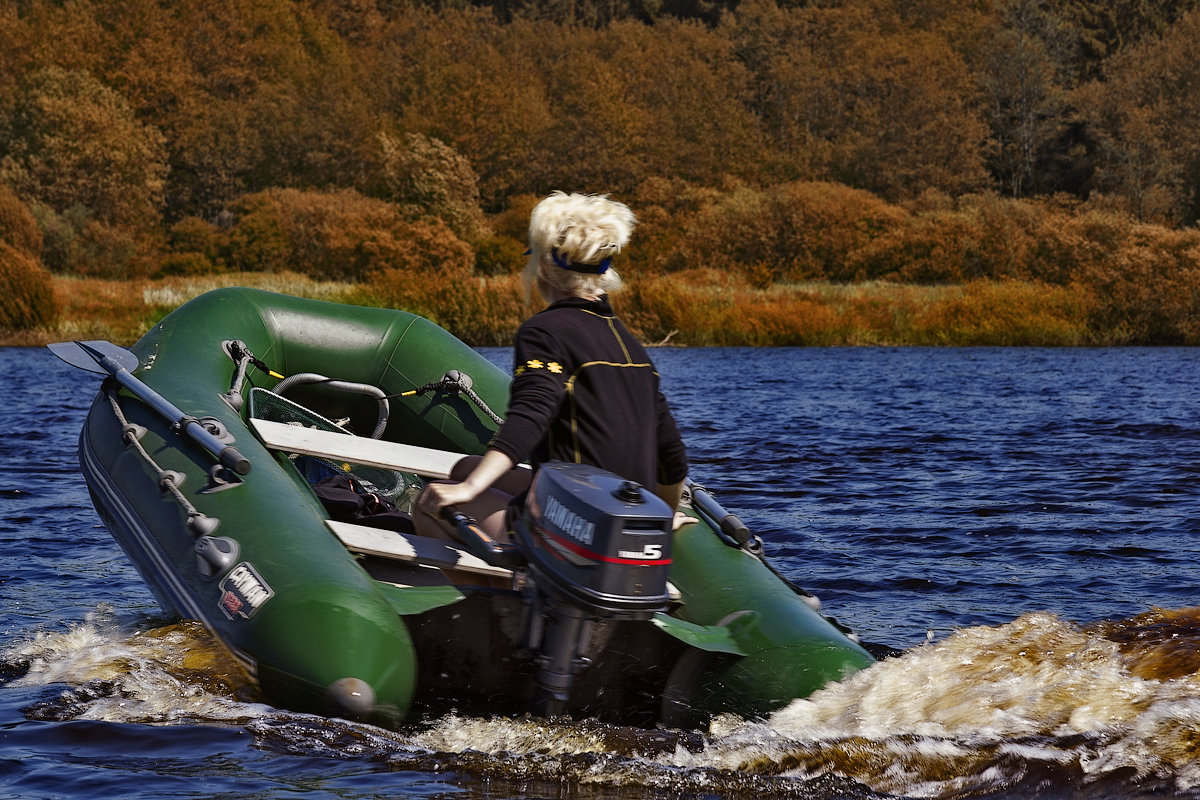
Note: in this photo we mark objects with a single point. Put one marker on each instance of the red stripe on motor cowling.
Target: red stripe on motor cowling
(579, 550)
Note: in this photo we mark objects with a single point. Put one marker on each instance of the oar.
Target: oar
(105, 357)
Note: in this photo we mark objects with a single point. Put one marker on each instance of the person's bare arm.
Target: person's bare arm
(439, 495)
(672, 494)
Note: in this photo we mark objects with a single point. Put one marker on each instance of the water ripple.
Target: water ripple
(1019, 523)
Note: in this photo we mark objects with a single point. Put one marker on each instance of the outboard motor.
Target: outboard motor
(598, 548)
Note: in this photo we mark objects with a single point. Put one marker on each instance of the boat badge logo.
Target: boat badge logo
(243, 592)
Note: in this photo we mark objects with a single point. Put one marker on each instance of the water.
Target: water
(1020, 523)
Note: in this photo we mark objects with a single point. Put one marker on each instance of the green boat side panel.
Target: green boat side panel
(790, 649)
(412, 600)
(365, 345)
(713, 638)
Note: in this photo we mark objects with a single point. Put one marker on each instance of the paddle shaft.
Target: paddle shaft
(224, 453)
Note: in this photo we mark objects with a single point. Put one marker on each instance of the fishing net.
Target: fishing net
(401, 488)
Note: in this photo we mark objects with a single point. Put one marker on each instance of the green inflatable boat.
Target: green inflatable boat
(257, 455)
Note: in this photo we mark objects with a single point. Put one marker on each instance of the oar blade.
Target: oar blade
(78, 356)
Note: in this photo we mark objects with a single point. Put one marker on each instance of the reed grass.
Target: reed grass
(691, 308)
(121, 311)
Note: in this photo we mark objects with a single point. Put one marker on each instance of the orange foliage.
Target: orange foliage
(1143, 117)
(704, 307)
(17, 226)
(707, 308)
(1011, 313)
(887, 96)
(339, 235)
(424, 176)
(27, 298)
(1080, 241)
(792, 232)
(480, 311)
(77, 142)
(195, 249)
(932, 248)
(96, 308)
(499, 255)
(786, 142)
(695, 303)
(475, 85)
(976, 236)
(75, 244)
(1149, 287)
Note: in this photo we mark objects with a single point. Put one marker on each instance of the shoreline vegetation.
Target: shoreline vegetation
(844, 172)
(842, 267)
(683, 310)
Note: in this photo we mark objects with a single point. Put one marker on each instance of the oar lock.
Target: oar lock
(210, 424)
(455, 382)
(454, 379)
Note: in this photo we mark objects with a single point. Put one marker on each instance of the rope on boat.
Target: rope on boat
(455, 381)
(168, 480)
(243, 357)
(477, 400)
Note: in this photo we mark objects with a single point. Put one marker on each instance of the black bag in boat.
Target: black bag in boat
(348, 500)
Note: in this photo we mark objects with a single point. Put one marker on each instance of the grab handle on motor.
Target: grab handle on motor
(478, 542)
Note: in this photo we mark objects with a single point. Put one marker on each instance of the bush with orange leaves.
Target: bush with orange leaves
(795, 231)
(17, 226)
(27, 298)
(947, 240)
(1148, 287)
(482, 311)
(339, 235)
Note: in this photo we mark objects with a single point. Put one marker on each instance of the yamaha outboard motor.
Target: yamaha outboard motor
(598, 548)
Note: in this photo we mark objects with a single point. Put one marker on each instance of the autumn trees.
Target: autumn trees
(781, 140)
(92, 173)
(219, 100)
(1143, 116)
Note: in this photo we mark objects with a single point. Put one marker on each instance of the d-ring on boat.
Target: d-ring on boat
(206, 463)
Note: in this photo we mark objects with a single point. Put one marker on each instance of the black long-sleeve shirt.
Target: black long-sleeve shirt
(584, 391)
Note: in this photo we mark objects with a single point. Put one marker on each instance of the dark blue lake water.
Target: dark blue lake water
(1022, 523)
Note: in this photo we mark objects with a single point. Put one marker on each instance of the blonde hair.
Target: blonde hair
(576, 229)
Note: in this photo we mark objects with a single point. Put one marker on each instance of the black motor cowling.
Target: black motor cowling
(598, 548)
(600, 541)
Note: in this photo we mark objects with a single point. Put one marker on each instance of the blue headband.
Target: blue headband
(589, 269)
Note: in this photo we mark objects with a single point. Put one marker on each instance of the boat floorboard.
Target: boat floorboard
(410, 548)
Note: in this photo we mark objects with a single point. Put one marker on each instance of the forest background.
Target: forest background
(825, 172)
